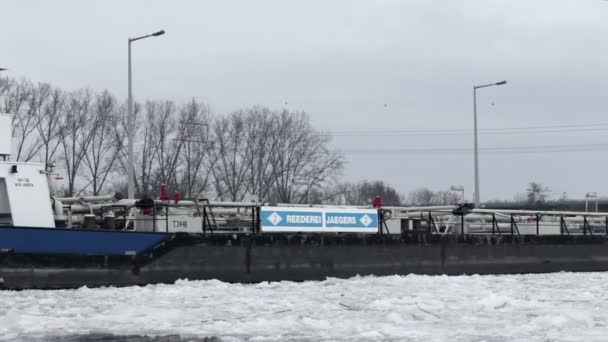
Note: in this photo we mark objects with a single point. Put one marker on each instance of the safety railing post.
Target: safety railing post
(153, 218)
(204, 219)
(514, 227)
(380, 221)
(166, 210)
(462, 225)
(258, 220)
(253, 219)
(564, 226)
(537, 225)
(432, 224)
(584, 225)
(493, 221)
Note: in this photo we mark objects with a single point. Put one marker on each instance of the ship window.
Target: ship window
(5, 208)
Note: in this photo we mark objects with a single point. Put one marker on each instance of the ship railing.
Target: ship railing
(212, 218)
(504, 223)
(230, 218)
(244, 218)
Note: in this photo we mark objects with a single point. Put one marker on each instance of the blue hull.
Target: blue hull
(77, 241)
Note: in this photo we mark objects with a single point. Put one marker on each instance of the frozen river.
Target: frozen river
(547, 307)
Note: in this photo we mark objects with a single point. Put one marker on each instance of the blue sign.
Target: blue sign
(292, 218)
(352, 220)
(289, 219)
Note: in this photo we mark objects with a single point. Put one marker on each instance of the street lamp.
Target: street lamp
(131, 119)
(475, 133)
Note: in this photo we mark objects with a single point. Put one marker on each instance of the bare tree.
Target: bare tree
(14, 98)
(101, 157)
(26, 104)
(196, 160)
(5, 85)
(364, 192)
(77, 134)
(346, 193)
(263, 143)
(230, 173)
(116, 181)
(422, 196)
(536, 193)
(49, 123)
(257, 152)
(445, 198)
(168, 148)
(387, 193)
(147, 154)
(301, 154)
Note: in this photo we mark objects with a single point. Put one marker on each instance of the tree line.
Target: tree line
(249, 154)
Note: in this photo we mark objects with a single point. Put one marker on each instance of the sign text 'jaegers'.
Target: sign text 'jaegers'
(286, 219)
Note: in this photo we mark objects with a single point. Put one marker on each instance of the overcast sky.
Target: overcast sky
(354, 66)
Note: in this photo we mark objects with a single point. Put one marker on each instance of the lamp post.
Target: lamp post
(131, 119)
(477, 200)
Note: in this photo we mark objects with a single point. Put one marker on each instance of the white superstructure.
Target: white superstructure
(24, 190)
(24, 196)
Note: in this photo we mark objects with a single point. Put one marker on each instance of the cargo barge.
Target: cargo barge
(52, 242)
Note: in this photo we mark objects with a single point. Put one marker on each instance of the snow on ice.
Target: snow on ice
(547, 307)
